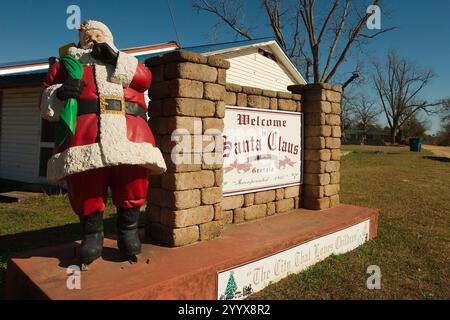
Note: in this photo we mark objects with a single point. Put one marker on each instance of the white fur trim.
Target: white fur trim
(97, 25)
(114, 147)
(92, 24)
(125, 69)
(84, 158)
(50, 104)
(105, 87)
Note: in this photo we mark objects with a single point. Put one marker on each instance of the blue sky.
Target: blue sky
(36, 29)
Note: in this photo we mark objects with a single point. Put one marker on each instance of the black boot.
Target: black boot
(92, 242)
(127, 232)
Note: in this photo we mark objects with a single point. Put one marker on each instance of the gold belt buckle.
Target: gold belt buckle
(112, 105)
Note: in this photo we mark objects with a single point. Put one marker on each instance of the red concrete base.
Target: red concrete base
(174, 273)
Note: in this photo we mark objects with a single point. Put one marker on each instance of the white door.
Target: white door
(20, 134)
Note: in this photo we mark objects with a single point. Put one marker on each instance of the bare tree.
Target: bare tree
(443, 136)
(365, 113)
(446, 109)
(398, 84)
(307, 30)
(414, 127)
(229, 12)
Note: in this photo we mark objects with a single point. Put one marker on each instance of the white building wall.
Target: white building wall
(249, 68)
(20, 134)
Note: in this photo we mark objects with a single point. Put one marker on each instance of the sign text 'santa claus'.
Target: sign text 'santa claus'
(273, 140)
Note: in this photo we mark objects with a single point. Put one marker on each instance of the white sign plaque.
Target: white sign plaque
(239, 282)
(262, 150)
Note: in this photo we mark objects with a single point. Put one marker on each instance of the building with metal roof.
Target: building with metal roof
(27, 141)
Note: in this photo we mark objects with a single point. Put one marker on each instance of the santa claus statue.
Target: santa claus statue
(111, 144)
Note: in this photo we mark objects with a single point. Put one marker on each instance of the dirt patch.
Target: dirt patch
(438, 150)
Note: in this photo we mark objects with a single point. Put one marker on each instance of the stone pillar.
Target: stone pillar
(322, 143)
(186, 116)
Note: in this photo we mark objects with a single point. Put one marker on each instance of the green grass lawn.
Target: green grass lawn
(413, 244)
(412, 248)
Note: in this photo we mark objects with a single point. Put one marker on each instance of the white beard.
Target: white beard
(84, 54)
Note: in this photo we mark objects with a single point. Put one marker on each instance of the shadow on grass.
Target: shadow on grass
(380, 153)
(11, 185)
(373, 152)
(440, 159)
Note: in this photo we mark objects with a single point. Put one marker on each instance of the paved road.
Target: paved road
(438, 150)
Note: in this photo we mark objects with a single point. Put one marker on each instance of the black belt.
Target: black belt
(92, 106)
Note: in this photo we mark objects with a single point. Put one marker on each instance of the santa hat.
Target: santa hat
(97, 25)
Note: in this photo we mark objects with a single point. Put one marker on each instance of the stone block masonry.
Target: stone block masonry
(322, 134)
(186, 112)
(188, 98)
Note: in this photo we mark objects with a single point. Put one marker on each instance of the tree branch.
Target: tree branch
(231, 21)
(373, 36)
(347, 47)
(273, 13)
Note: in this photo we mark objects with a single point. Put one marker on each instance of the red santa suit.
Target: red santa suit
(113, 144)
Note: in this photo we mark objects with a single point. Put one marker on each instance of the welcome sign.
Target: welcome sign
(262, 150)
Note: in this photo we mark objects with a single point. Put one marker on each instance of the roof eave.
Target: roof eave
(43, 66)
(279, 53)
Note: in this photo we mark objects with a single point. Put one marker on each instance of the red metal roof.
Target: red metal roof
(42, 65)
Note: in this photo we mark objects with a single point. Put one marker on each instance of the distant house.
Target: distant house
(26, 141)
(373, 137)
